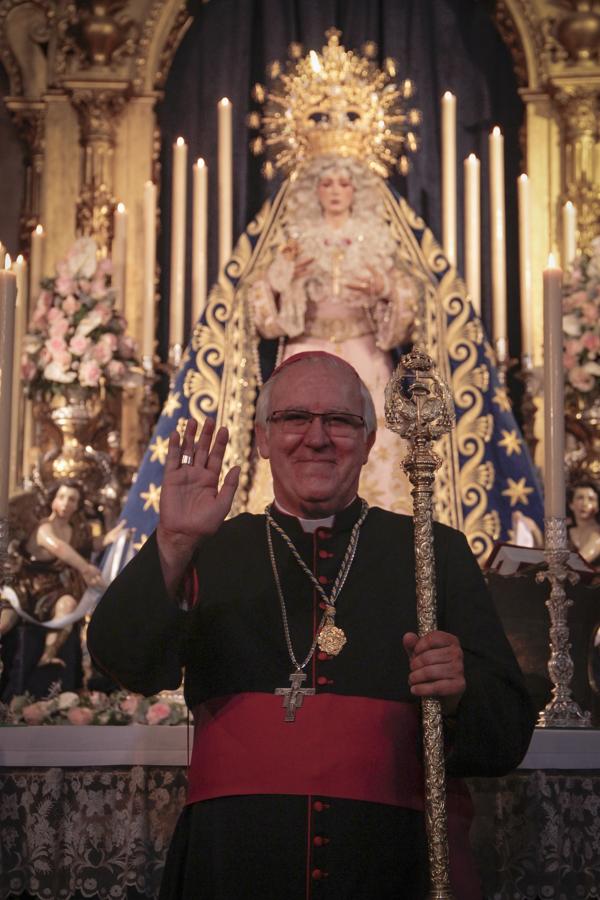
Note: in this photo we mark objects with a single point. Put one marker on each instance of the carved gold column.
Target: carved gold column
(99, 106)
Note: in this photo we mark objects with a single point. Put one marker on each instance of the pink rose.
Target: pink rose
(105, 267)
(580, 379)
(102, 353)
(71, 305)
(116, 370)
(80, 715)
(104, 312)
(34, 713)
(59, 327)
(64, 285)
(98, 288)
(158, 712)
(89, 373)
(129, 705)
(569, 360)
(56, 346)
(79, 344)
(589, 313)
(54, 314)
(591, 341)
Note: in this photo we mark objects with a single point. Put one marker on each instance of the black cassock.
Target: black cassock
(328, 805)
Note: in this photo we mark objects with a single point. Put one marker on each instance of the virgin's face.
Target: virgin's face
(336, 192)
(65, 502)
(584, 504)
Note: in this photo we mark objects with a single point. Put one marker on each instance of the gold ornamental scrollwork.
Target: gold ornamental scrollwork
(419, 407)
(98, 112)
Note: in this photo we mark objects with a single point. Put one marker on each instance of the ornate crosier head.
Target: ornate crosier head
(335, 102)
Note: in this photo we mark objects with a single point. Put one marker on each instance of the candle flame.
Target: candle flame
(180, 142)
(20, 259)
(523, 177)
(39, 229)
(225, 101)
(120, 207)
(569, 204)
(448, 95)
(314, 62)
(496, 131)
(552, 261)
(7, 262)
(200, 163)
(472, 158)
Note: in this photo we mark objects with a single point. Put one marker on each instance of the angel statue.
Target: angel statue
(50, 572)
(338, 261)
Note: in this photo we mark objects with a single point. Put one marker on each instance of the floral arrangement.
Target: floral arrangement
(95, 708)
(76, 336)
(581, 327)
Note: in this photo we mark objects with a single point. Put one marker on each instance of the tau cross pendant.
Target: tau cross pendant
(294, 695)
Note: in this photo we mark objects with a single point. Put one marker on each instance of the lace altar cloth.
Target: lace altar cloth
(87, 832)
(96, 832)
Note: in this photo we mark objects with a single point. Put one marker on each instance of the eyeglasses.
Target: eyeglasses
(298, 421)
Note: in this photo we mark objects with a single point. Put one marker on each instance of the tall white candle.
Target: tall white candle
(148, 306)
(177, 291)
(8, 295)
(472, 173)
(525, 287)
(569, 234)
(449, 176)
(199, 239)
(554, 417)
(225, 147)
(17, 402)
(498, 241)
(36, 264)
(119, 255)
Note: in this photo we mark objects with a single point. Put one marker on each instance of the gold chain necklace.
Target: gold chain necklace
(329, 637)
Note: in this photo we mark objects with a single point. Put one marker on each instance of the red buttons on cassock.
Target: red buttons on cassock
(322, 679)
(322, 656)
(323, 533)
(322, 604)
(317, 874)
(325, 554)
(320, 841)
(323, 579)
(319, 806)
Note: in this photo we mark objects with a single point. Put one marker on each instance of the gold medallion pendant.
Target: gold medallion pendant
(331, 639)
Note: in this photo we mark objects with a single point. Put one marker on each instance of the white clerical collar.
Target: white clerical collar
(310, 525)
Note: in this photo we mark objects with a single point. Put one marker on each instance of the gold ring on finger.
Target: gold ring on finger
(187, 459)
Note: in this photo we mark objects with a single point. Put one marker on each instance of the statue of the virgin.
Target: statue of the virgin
(337, 261)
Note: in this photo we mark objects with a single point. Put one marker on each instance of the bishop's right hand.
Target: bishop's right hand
(192, 507)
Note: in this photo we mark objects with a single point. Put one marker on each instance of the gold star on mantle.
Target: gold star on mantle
(517, 491)
(172, 404)
(502, 399)
(151, 497)
(159, 450)
(511, 442)
(137, 546)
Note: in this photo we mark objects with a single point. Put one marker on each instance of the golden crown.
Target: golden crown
(335, 102)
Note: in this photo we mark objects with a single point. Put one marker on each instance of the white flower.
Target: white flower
(571, 326)
(81, 258)
(87, 325)
(592, 367)
(54, 372)
(67, 699)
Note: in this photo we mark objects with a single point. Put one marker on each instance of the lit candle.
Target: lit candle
(498, 241)
(36, 263)
(199, 240)
(177, 292)
(554, 417)
(569, 234)
(472, 168)
(119, 255)
(525, 267)
(17, 400)
(225, 181)
(148, 305)
(8, 295)
(449, 176)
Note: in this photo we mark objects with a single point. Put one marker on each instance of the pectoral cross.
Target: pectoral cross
(293, 696)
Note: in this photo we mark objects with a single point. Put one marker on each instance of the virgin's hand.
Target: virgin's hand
(436, 667)
(191, 505)
(371, 286)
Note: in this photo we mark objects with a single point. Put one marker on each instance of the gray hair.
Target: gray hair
(334, 363)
